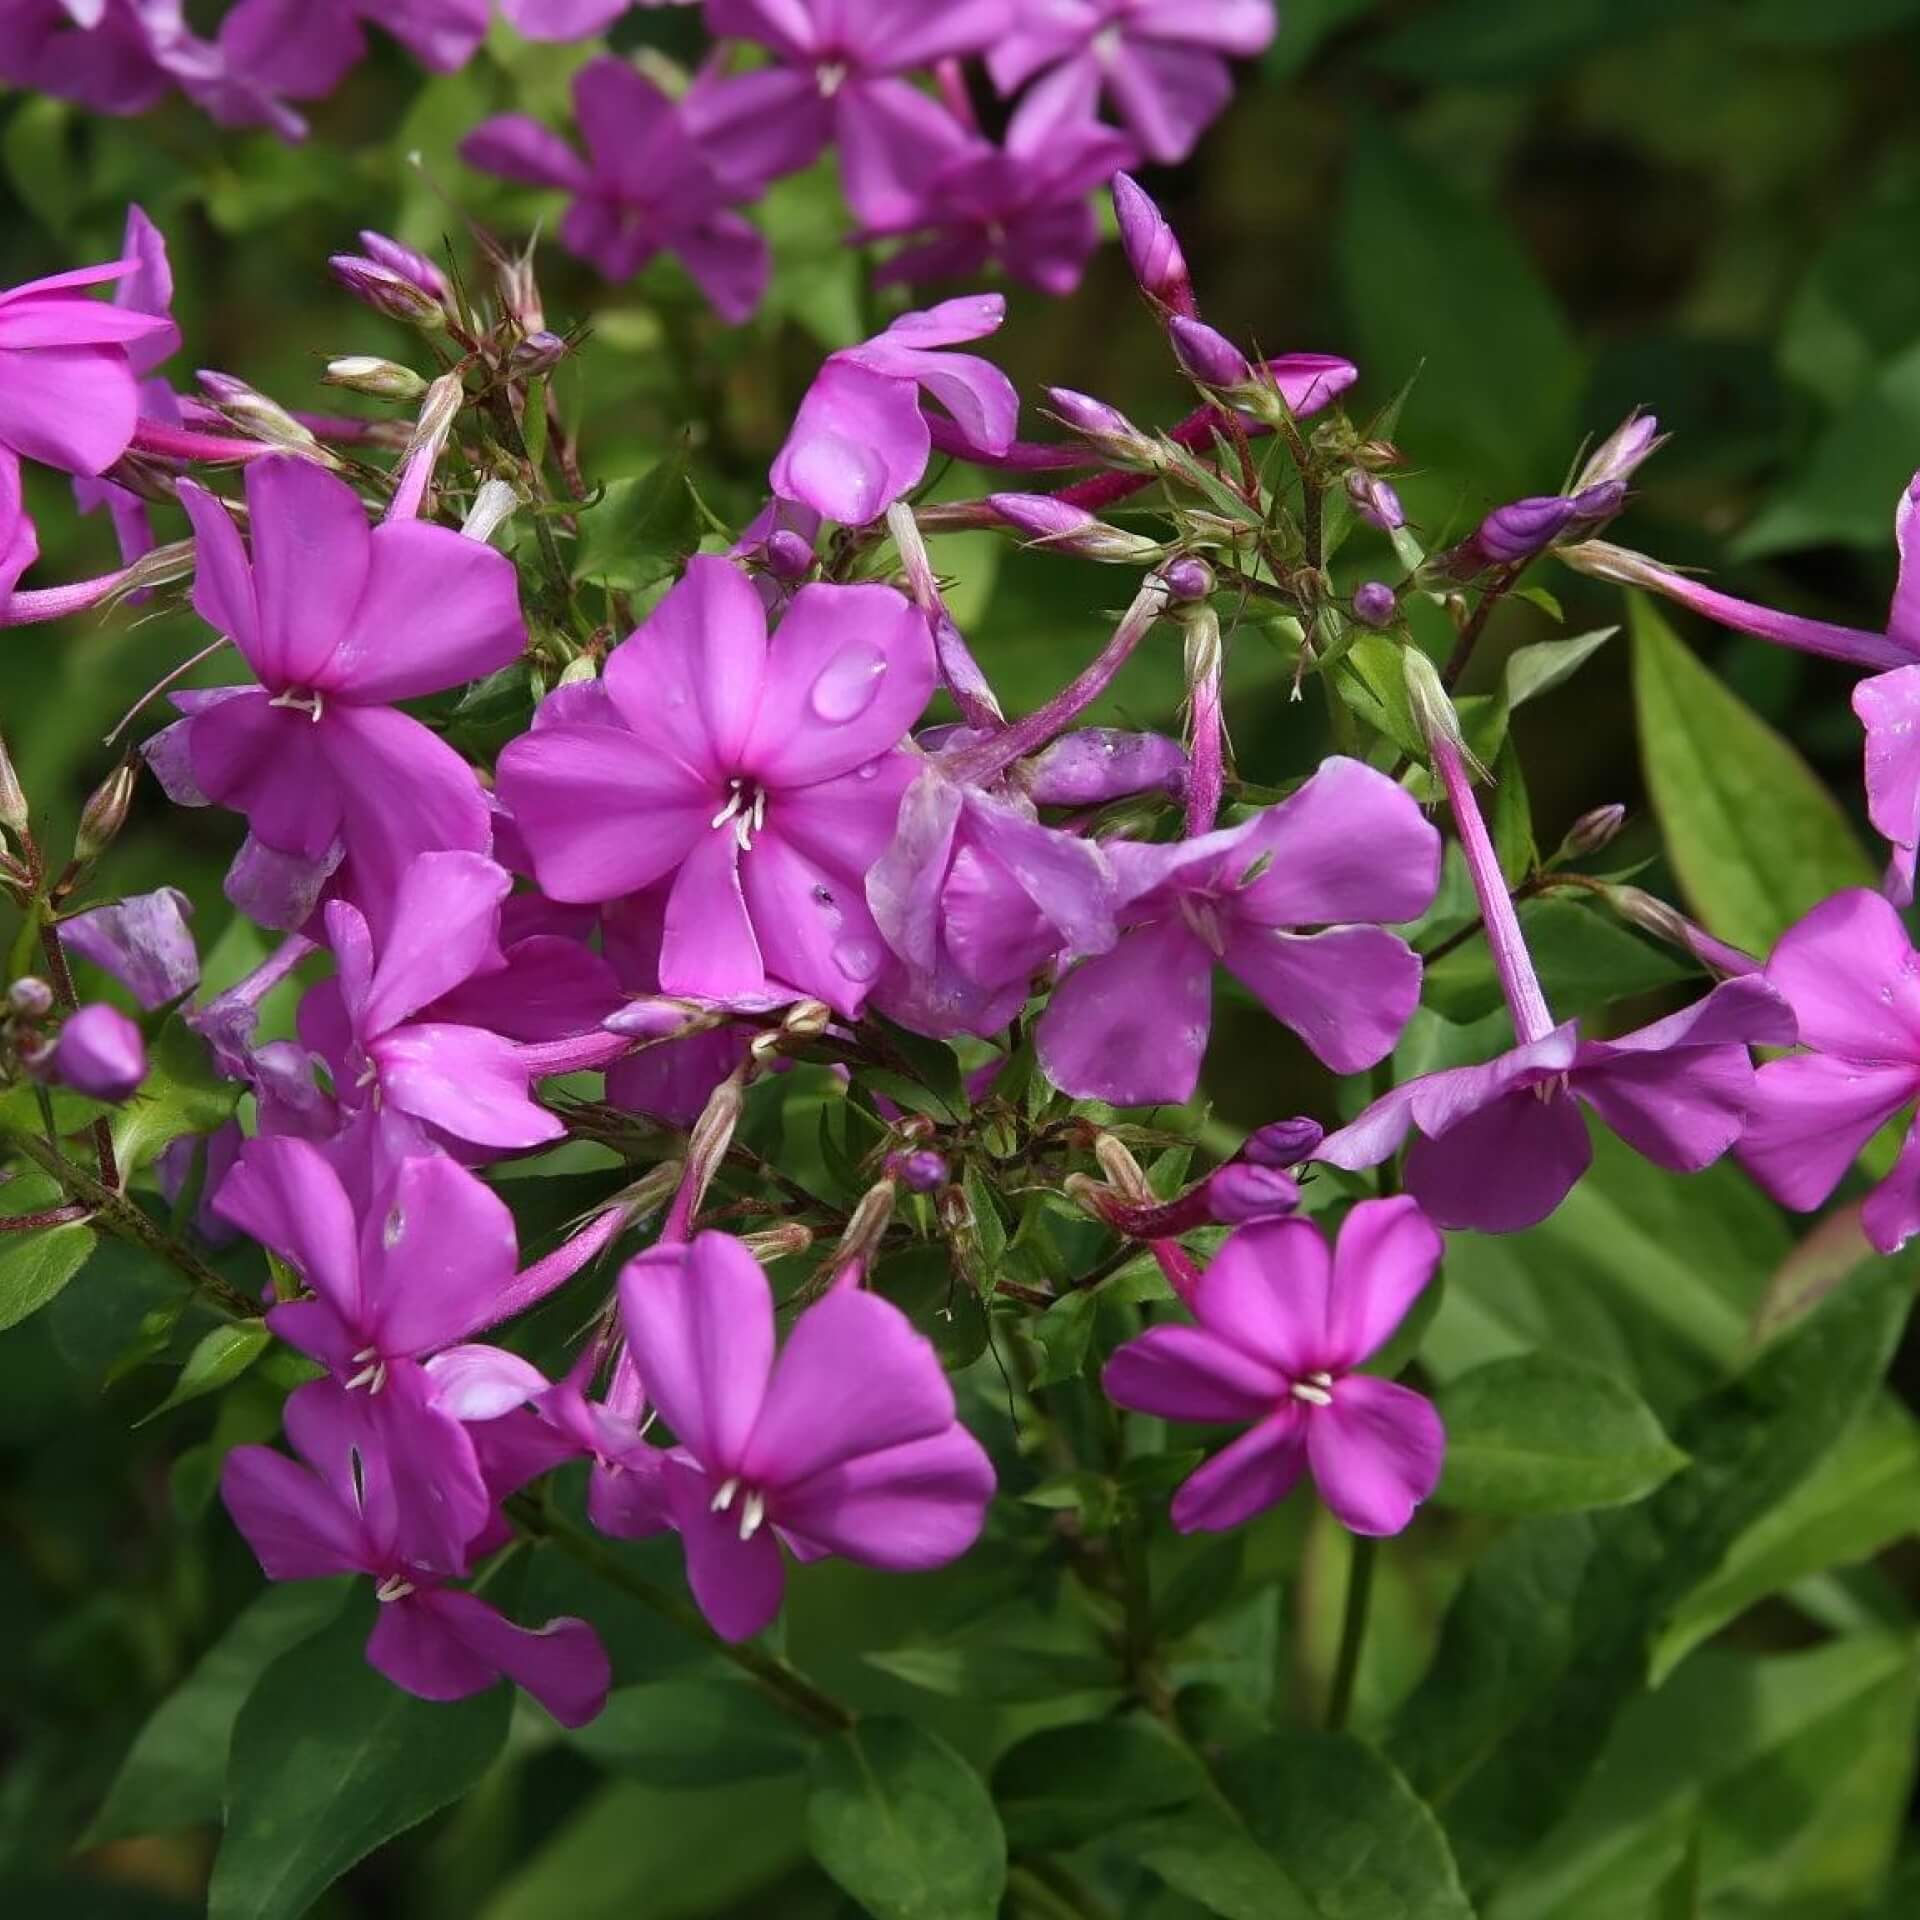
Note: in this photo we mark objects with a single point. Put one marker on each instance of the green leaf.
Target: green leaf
(694, 1733)
(1537, 669)
(1548, 1639)
(1204, 1855)
(329, 1760)
(1504, 40)
(1436, 282)
(1754, 837)
(40, 162)
(1510, 815)
(905, 1825)
(1541, 1433)
(173, 1773)
(1065, 1334)
(998, 1673)
(221, 1357)
(1058, 1789)
(642, 530)
(36, 1264)
(181, 1094)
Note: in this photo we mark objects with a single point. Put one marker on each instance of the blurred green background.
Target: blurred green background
(1549, 213)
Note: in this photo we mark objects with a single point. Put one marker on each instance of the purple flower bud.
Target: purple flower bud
(387, 292)
(538, 353)
(100, 1053)
(1242, 1191)
(1098, 764)
(31, 997)
(1187, 577)
(920, 1171)
(1070, 529)
(405, 262)
(1616, 457)
(1283, 1143)
(1592, 831)
(1152, 250)
(248, 407)
(1206, 355)
(1374, 603)
(659, 1018)
(1375, 501)
(789, 555)
(1600, 502)
(1107, 427)
(1523, 528)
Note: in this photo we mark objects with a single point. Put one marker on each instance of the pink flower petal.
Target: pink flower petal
(1809, 1117)
(1849, 972)
(446, 927)
(1387, 1252)
(1257, 1471)
(1348, 992)
(709, 948)
(1376, 1453)
(296, 1528)
(905, 1509)
(468, 1083)
(738, 1583)
(437, 1253)
(1131, 1026)
(562, 1665)
(283, 1193)
(311, 552)
(1502, 1166)
(1192, 1373)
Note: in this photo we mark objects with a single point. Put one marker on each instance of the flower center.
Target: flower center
(831, 76)
(746, 811)
(312, 704)
(1198, 912)
(394, 1587)
(753, 1505)
(373, 1371)
(1316, 1389)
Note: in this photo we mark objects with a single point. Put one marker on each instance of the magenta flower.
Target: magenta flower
(1852, 978)
(1023, 204)
(645, 187)
(761, 775)
(466, 1082)
(333, 1515)
(69, 394)
(846, 1443)
(1130, 1026)
(860, 441)
(1284, 1326)
(563, 19)
(837, 78)
(338, 621)
(100, 1053)
(103, 57)
(1162, 62)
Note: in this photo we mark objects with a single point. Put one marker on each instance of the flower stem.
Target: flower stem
(785, 1684)
(1353, 1631)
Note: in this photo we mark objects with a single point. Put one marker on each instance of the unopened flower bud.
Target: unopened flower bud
(247, 407)
(1207, 355)
(1617, 456)
(1107, 428)
(866, 1225)
(367, 373)
(920, 1171)
(1592, 831)
(1602, 502)
(30, 997)
(1122, 1169)
(1188, 578)
(520, 293)
(1283, 1143)
(494, 501)
(1641, 909)
(1242, 1191)
(1433, 710)
(100, 1053)
(14, 813)
(659, 1017)
(788, 555)
(1374, 603)
(806, 1019)
(105, 812)
(538, 353)
(784, 1242)
(1523, 528)
(387, 292)
(1070, 529)
(1093, 765)
(405, 262)
(1375, 501)
(1153, 251)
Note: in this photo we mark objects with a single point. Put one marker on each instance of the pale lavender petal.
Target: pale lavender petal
(1257, 1471)
(482, 1383)
(905, 1509)
(143, 940)
(1376, 1453)
(1131, 1026)
(1188, 1373)
(279, 890)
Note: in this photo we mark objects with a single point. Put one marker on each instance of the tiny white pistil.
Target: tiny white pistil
(753, 1510)
(832, 76)
(373, 1376)
(392, 1588)
(1315, 1389)
(312, 705)
(724, 1498)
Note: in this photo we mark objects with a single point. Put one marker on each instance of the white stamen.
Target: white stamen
(724, 1498)
(753, 1510)
(393, 1587)
(313, 705)
(832, 76)
(1312, 1395)
(372, 1377)
(736, 800)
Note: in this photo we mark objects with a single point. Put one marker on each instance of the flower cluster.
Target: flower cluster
(776, 820)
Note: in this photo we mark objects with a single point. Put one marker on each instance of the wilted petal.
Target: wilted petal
(143, 940)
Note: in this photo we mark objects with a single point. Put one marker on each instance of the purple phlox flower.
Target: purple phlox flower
(1284, 1325)
(371, 1022)
(1498, 1147)
(412, 1275)
(100, 1053)
(1024, 204)
(69, 389)
(1621, 454)
(761, 773)
(975, 896)
(104, 57)
(338, 621)
(143, 941)
(1852, 978)
(1093, 765)
(1130, 1026)
(148, 289)
(1163, 63)
(845, 1443)
(837, 77)
(566, 19)
(336, 1515)
(860, 441)
(644, 188)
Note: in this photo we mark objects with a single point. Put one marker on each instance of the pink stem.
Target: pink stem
(182, 443)
(1206, 769)
(534, 1283)
(1851, 644)
(1532, 1019)
(580, 1053)
(972, 692)
(55, 603)
(1183, 1276)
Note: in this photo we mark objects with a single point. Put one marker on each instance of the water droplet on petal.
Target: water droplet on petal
(849, 683)
(857, 959)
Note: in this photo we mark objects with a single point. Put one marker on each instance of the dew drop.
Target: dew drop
(849, 683)
(857, 959)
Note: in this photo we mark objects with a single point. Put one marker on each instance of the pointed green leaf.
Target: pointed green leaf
(221, 1357)
(694, 1733)
(1068, 1785)
(36, 1264)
